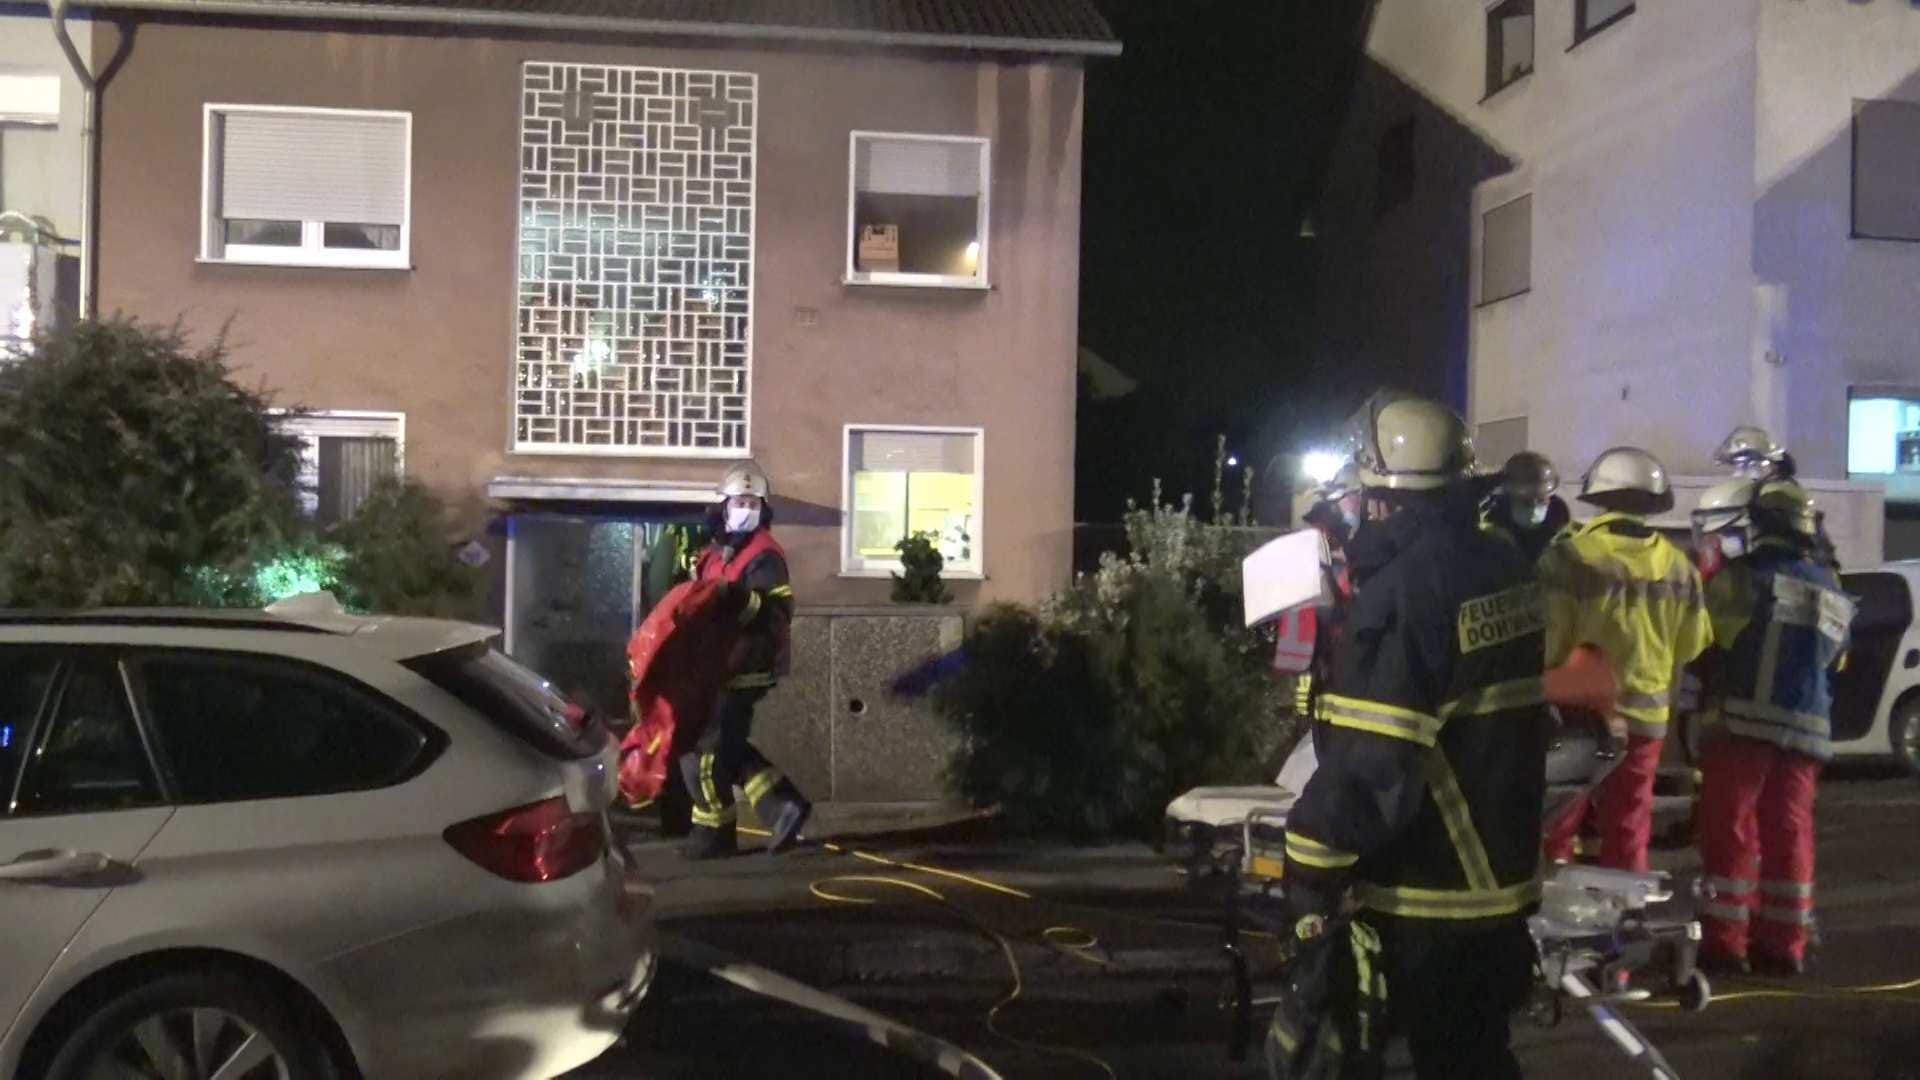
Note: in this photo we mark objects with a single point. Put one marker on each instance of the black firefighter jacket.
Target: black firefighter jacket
(1432, 732)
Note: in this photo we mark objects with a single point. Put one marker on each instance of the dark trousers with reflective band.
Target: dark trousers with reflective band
(723, 759)
(1451, 991)
(1756, 839)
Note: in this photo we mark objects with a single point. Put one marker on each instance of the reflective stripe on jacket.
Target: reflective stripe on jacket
(1634, 595)
(1433, 735)
(1785, 624)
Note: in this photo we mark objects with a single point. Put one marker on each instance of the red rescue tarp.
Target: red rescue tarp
(677, 663)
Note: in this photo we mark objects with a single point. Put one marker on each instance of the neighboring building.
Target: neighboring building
(1709, 222)
(41, 156)
(565, 262)
(1392, 229)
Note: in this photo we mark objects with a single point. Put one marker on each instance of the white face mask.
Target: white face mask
(743, 519)
(1732, 545)
(1529, 515)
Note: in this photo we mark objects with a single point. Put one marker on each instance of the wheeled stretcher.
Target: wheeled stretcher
(1603, 937)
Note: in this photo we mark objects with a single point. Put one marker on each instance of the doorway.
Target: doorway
(579, 584)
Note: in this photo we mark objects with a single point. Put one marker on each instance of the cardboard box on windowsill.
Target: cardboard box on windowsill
(879, 250)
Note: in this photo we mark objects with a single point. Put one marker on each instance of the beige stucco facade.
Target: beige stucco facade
(436, 341)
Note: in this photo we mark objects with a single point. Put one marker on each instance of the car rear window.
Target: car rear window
(1885, 602)
(515, 698)
(236, 728)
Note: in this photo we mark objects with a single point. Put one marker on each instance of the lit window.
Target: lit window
(1506, 250)
(1886, 170)
(342, 456)
(904, 482)
(306, 187)
(917, 212)
(1592, 16)
(29, 98)
(1509, 43)
(1883, 435)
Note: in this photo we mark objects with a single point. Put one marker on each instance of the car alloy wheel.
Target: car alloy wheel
(1906, 734)
(191, 1044)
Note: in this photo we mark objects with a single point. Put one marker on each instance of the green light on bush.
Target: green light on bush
(294, 575)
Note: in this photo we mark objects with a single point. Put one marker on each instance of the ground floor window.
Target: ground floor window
(912, 481)
(343, 454)
(1883, 440)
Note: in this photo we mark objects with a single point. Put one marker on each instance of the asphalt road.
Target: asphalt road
(1170, 1025)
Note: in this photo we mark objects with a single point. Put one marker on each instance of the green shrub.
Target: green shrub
(397, 556)
(134, 470)
(1133, 685)
(922, 563)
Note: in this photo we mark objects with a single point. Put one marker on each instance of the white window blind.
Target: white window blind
(327, 167)
(906, 166)
(29, 98)
(912, 452)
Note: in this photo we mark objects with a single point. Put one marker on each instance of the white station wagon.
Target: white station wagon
(299, 844)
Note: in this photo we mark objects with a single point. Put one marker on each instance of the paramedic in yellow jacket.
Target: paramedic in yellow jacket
(1618, 585)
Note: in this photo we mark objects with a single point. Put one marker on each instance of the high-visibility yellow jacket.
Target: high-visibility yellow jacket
(1627, 590)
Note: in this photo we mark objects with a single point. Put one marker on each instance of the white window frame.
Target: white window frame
(312, 251)
(983, 230)
(855, 566)
(311, 427)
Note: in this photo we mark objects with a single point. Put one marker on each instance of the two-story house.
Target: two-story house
(566, 262)
(1708, 220)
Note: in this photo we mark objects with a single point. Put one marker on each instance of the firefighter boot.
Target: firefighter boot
(706, 842)
(786, 830)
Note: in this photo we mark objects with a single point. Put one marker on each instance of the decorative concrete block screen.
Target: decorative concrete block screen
(636, 246)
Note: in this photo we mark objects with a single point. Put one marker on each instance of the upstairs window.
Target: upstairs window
(1886, 170)
(306, 187)
(1509, 44)
(917, 212)
(1395, 180)
(1506, 250)
(1592, 16)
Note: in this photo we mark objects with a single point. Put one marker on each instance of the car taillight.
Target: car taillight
(543, 841)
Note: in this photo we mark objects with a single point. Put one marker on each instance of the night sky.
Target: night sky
(1204, 145)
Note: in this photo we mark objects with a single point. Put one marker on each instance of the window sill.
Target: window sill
(1592, 32)
(1508, 85)
(402, 263)
(881, 573)
(1484, 304)
(918, 281)
(670, 453)
(1884, 239)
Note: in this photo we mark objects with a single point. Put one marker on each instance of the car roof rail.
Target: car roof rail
(239, 620)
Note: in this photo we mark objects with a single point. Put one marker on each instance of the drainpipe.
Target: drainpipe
(89, 157)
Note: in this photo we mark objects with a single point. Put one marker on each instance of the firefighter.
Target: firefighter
(745, 555)
(1426, 804)
(1620, 586)
(1782, 620)
(1525, 511)
(1753, 454)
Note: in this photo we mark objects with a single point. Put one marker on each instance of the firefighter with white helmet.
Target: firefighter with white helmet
(1752, 454)
(1432, 736)
(1620, 586)
(1781, 622)
(1525, 511)
(745, 555)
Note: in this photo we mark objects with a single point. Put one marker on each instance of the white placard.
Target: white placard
(1284, 574)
